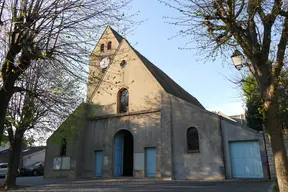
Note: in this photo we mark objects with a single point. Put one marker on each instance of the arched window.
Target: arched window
(123, 101)
(109, 46)
(102, 47)
(63, 147)
(192, 140)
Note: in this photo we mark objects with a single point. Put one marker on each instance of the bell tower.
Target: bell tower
(100, 59)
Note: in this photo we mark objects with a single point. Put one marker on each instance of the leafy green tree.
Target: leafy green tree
(254, 115)
(283, 98)
(254, 103)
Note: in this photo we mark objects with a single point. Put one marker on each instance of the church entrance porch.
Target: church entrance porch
(123, 154)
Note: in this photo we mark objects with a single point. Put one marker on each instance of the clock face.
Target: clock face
(104, 62)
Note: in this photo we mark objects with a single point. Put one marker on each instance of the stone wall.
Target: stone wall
(205, 164)
(270, 154)
(100, 134)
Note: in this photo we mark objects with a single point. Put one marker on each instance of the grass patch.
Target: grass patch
(276, 187)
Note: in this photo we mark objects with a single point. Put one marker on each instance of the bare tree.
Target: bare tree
(57, 32)
(259, 29)
(50, 96)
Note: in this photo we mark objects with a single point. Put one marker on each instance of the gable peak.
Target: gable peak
(115, 33)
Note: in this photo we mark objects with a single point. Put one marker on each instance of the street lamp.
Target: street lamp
(238, 59)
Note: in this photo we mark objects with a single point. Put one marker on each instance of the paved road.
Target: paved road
(33, 181)
(149, 185)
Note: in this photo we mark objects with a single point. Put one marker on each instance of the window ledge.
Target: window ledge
(193, 151)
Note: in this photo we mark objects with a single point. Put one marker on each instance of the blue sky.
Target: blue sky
(206, 81)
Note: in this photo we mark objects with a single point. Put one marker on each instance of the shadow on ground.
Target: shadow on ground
(157, 186)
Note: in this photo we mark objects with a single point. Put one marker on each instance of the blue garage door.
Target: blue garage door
(246, 160)
(151, 162)
(99, 163)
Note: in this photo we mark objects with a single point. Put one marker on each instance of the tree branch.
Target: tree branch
(284, 13)
(261, 13)
(281, 50)
(275, 10)
(252, 26)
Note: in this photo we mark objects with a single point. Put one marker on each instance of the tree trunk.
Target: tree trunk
(14, 160)
(5, 97)
(273, 124)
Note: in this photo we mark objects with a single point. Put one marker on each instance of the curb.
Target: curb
(270, 189)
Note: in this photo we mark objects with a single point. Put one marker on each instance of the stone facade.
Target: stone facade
(196, 165)
(270, 154)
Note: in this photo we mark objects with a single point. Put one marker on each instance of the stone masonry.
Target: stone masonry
(270, 154)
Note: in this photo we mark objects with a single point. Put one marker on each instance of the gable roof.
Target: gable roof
(165, 81)
(225, 116)
(168, 84)
(117, 35)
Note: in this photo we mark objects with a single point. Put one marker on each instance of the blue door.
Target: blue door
(99, 163)
(118, 154)
(150, 162)
(246, 160)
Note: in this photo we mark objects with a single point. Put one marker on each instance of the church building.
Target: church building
(137, 122)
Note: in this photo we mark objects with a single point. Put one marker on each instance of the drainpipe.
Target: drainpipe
(223, 144)
(172, 149)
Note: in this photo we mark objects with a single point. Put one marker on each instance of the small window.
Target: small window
(192, 140)
(102, 48)
(123, 101)
(123, 63)
(109, 46)
(63, 147)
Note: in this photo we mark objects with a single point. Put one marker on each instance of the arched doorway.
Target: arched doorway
(123, 153)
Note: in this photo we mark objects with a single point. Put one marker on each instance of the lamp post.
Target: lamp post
(238, 59)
